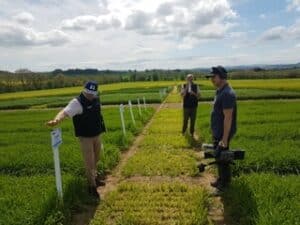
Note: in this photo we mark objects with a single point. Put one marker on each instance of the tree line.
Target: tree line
(25, 80)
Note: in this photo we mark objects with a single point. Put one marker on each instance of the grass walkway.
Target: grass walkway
(157, 182)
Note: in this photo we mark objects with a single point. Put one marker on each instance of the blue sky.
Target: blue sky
(140, 34)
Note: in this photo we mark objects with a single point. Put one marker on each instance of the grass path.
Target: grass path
(157, 180)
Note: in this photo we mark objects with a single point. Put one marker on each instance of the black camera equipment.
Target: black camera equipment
(220, 155)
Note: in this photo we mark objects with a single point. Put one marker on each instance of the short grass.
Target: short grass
(154, 204)
(61, 101)
(33, 200)
(269, 84)
(264, 199)
(153, 161)
(268, 131)
(164, 150)
(70, 91)
(27, 185)
(25, 141)
(243, 94)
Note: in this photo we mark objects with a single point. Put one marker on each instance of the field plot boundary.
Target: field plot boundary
(215, 209)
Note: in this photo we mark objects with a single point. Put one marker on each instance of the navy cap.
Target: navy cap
(219, 70)
(91, 87)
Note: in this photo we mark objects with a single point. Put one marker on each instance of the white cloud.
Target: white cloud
(282, 33)
(24, 18)
(275, 33)
(16, 35)
(293, 5)
(178, 19)
(87, 22)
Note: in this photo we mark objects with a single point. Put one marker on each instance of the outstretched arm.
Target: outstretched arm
(58, 119)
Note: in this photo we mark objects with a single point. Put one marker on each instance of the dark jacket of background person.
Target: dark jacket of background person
(191, 101)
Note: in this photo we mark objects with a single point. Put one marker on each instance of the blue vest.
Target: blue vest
(90, 123)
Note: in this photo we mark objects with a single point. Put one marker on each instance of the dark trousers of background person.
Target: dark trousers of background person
(189, 114)
(224, 169)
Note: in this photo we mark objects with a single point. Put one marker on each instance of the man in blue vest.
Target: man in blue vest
(85, 110)
(190, 93)
(223, 121)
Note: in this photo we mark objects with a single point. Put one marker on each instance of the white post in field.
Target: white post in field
(131, 112)
(144, 99)
(139, 105)
(56, 140)
(122, 118)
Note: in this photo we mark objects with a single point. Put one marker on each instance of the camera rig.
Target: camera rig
(220, 155)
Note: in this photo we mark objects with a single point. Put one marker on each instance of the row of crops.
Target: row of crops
(266, 187)
(153, 95)
(155, 185)
(152, 91)
(27, 183)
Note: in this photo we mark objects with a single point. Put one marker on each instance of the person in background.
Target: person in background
(85, 110)
(223, 121)
(190, 93)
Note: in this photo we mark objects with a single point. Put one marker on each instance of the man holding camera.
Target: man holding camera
(223, 121)
(191, 94)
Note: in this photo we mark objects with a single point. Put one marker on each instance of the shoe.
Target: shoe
(217, 193)
(99, 180)
(215, 183)
(93, 192)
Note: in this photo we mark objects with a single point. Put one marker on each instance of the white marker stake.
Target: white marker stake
(139, 105)
(131, 112)
(144, 99)
(122, 118)
(56, 140)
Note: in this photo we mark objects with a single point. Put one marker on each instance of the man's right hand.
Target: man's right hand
(52, 123)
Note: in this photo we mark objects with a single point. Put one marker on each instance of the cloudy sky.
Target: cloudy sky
(137, 34)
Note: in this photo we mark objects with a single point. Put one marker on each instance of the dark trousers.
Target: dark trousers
(189, 114)
(224, 169)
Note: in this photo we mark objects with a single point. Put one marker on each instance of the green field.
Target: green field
(75, 90)
(160, 183)
(145, 203)
(269, 131)
(264, 199)
(26, 163)
(110, 97)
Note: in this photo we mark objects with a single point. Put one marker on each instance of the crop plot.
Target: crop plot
(33, 200)
(27, 184)
(264, 199)
(109, 95)
(148, 203)
(268, 131)
(164, 150)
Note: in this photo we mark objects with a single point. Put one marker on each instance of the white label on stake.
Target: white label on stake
(131, 112)
(56, 138)
(139, 105)
(122, 118)
(144, 99)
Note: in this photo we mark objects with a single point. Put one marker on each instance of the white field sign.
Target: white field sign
(56, 141)
(131, 112)
(139, 106)
(145, 106)
(122, 118)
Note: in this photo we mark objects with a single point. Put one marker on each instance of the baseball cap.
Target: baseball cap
(219, 70)
(91, 87)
